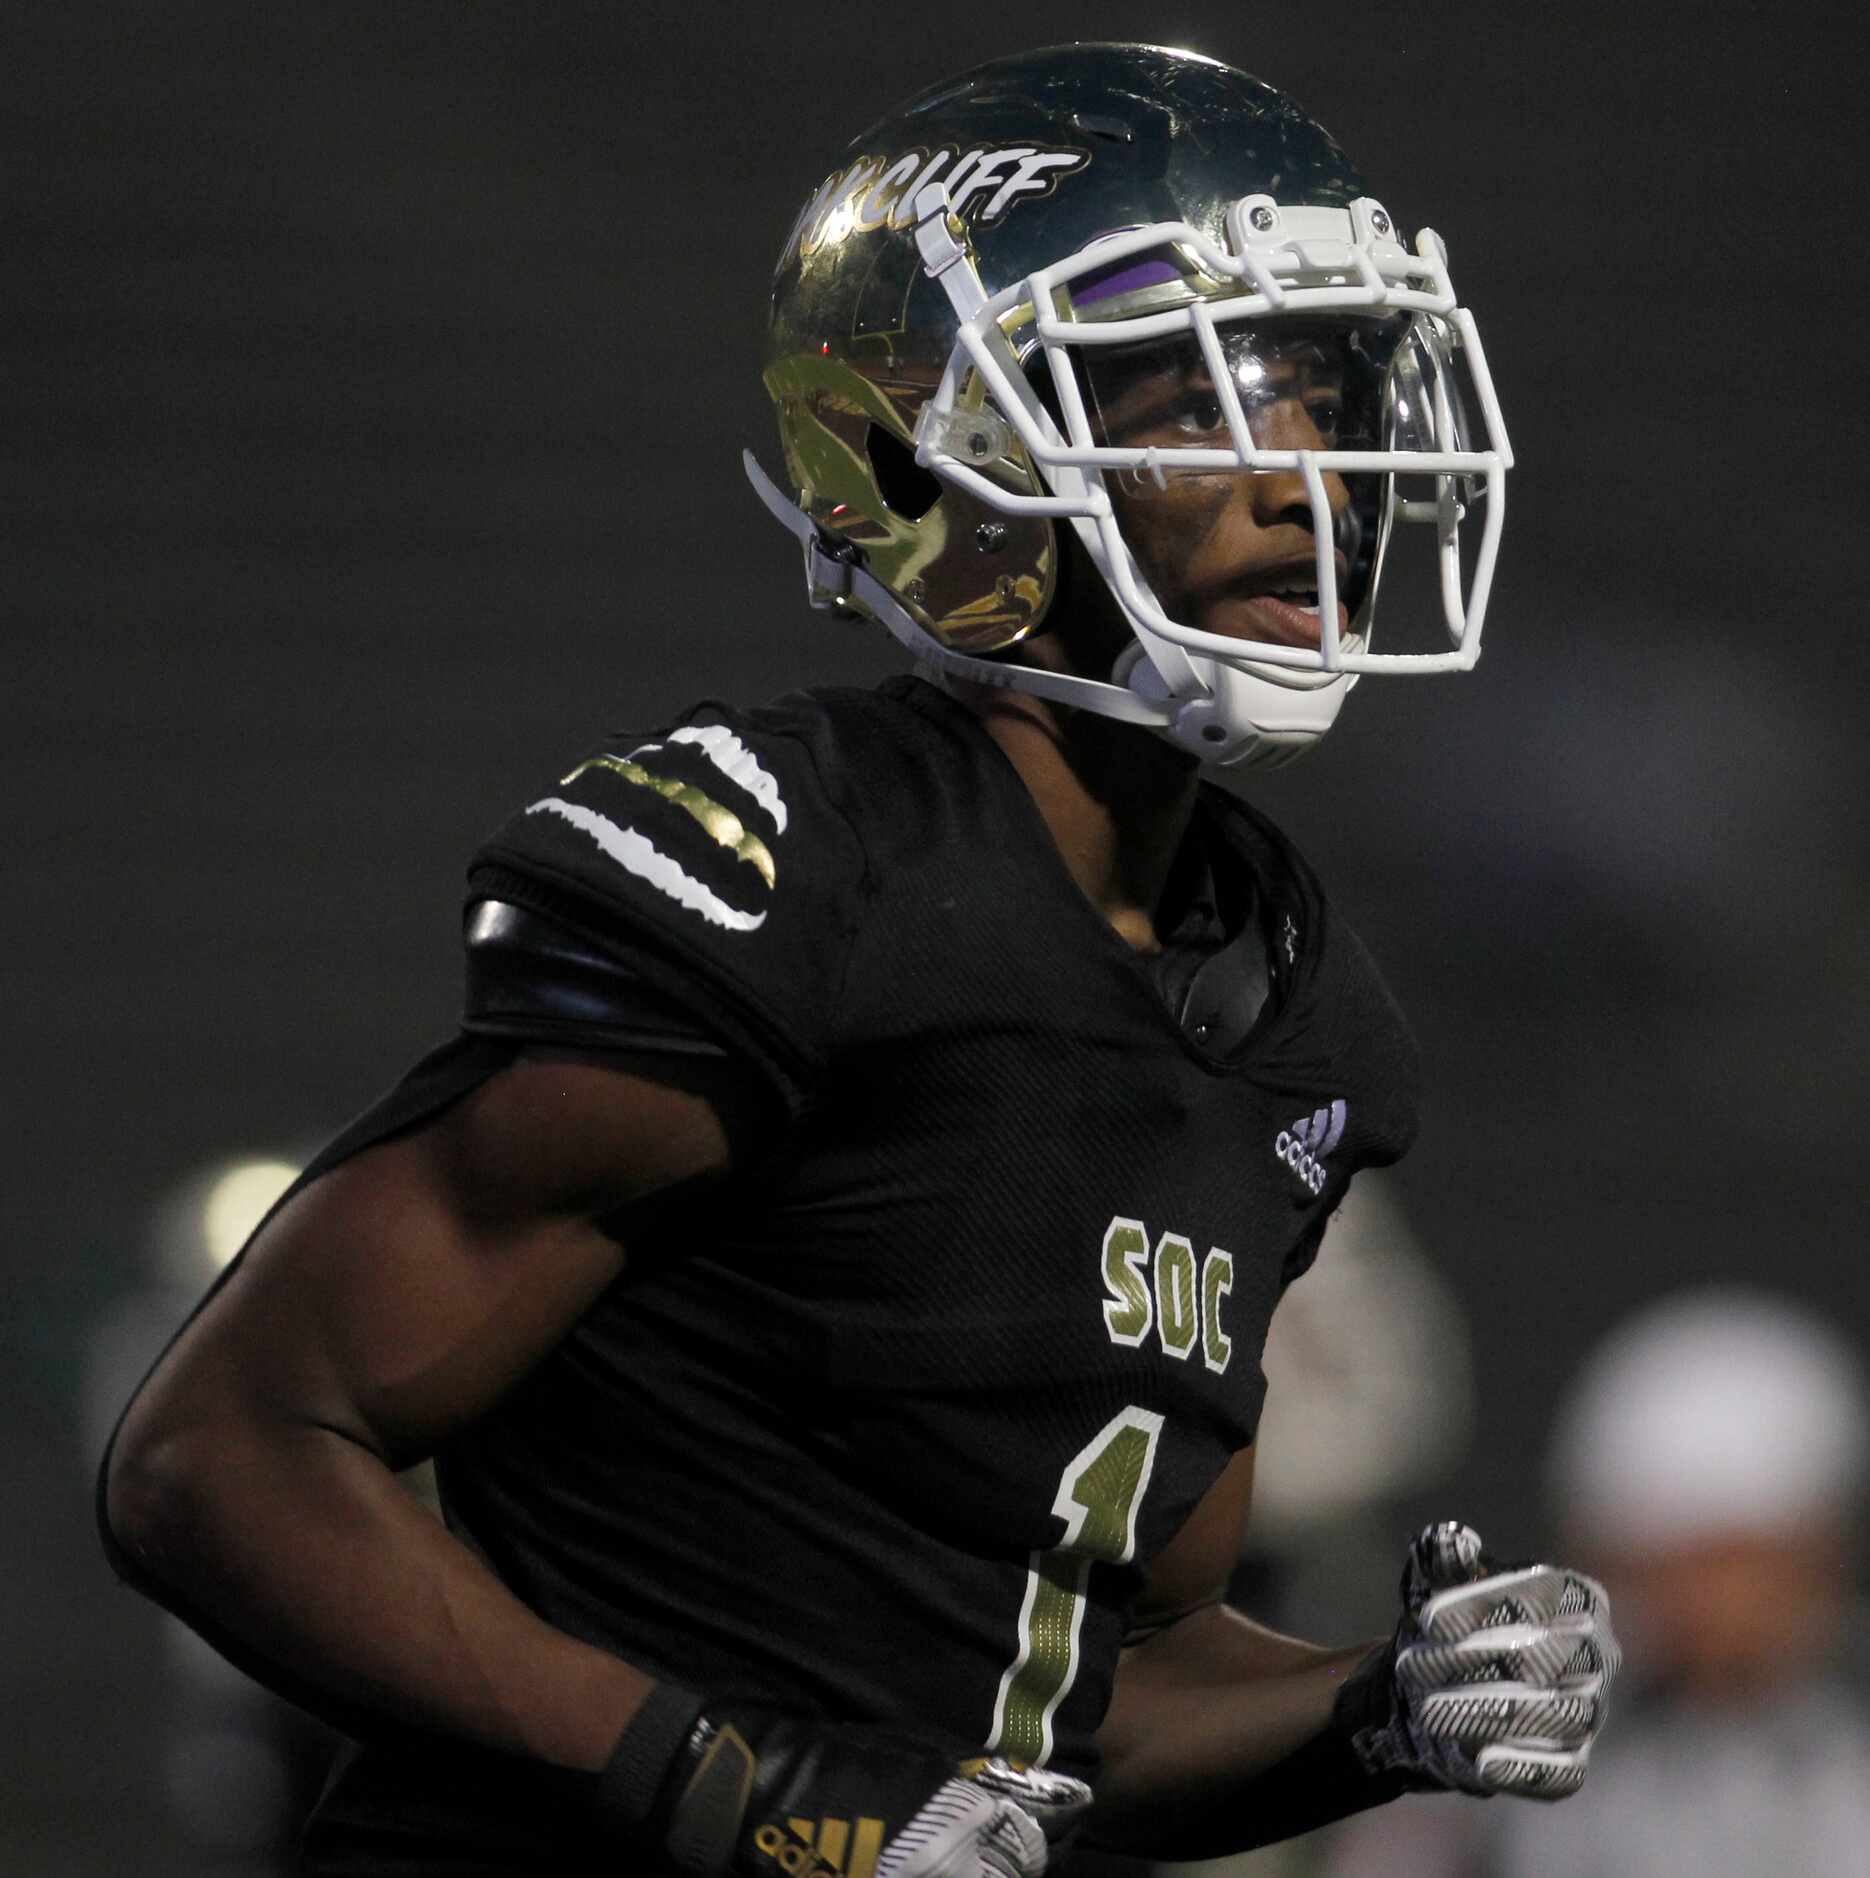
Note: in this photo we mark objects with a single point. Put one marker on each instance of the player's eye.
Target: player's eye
(1327, 414)
(1200, 415)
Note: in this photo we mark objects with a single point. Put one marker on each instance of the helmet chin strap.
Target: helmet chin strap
(1240, 720)
(1225, 717)
(1246, 716)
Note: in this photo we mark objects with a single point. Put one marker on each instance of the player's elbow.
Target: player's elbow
(155, 1481)
(184, 1458)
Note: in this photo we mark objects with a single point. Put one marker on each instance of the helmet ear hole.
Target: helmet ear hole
(906, 487)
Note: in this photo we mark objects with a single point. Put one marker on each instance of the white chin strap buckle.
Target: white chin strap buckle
(1202, 730)
(830, 569)
(1196, 721)
(1228, 716)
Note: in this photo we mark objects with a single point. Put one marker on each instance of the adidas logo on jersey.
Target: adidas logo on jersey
(1304, 1145)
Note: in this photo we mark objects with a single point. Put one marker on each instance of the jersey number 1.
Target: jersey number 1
(1097, 1499)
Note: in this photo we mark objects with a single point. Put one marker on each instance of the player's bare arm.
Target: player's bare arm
(1207, 1701)
(388, 1305)
(391, 1304)
(1223, 1735)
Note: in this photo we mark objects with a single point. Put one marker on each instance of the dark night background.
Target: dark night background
(374, 381)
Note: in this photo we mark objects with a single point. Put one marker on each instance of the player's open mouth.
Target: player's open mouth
(1283, 612)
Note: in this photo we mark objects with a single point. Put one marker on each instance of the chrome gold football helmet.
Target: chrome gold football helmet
(1115, 287)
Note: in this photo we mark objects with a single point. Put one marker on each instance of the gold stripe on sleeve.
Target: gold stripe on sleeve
(722, 823)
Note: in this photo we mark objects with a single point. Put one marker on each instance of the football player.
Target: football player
(829, 1268)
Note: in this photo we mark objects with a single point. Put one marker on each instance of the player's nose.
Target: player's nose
(1281, 495)
(1276, 496)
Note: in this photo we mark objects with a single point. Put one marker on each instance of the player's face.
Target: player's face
(1234, 552)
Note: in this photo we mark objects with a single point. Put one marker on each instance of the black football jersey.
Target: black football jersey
(888, 1425)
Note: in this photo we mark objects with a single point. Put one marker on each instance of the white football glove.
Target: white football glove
(1497, 1678)
(993, 1820)
(752, 1792)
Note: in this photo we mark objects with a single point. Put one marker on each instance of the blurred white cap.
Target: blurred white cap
(1715, 1411)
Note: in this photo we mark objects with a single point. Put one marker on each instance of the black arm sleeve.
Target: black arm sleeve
(535, 979)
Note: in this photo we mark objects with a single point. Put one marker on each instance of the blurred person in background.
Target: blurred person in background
(1369, 1410)
(1708, 1461)
(831, 1265)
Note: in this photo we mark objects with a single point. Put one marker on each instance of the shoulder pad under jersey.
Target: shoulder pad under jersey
(714, 853)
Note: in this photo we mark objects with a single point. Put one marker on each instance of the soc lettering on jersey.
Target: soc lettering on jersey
(709, 855)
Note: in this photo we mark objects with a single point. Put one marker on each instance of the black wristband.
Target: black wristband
(632, 1780)
(1325, 1780)
(1330, 1776)
(1367, 1702)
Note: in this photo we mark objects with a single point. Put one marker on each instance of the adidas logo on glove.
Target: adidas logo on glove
(808, 1851)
